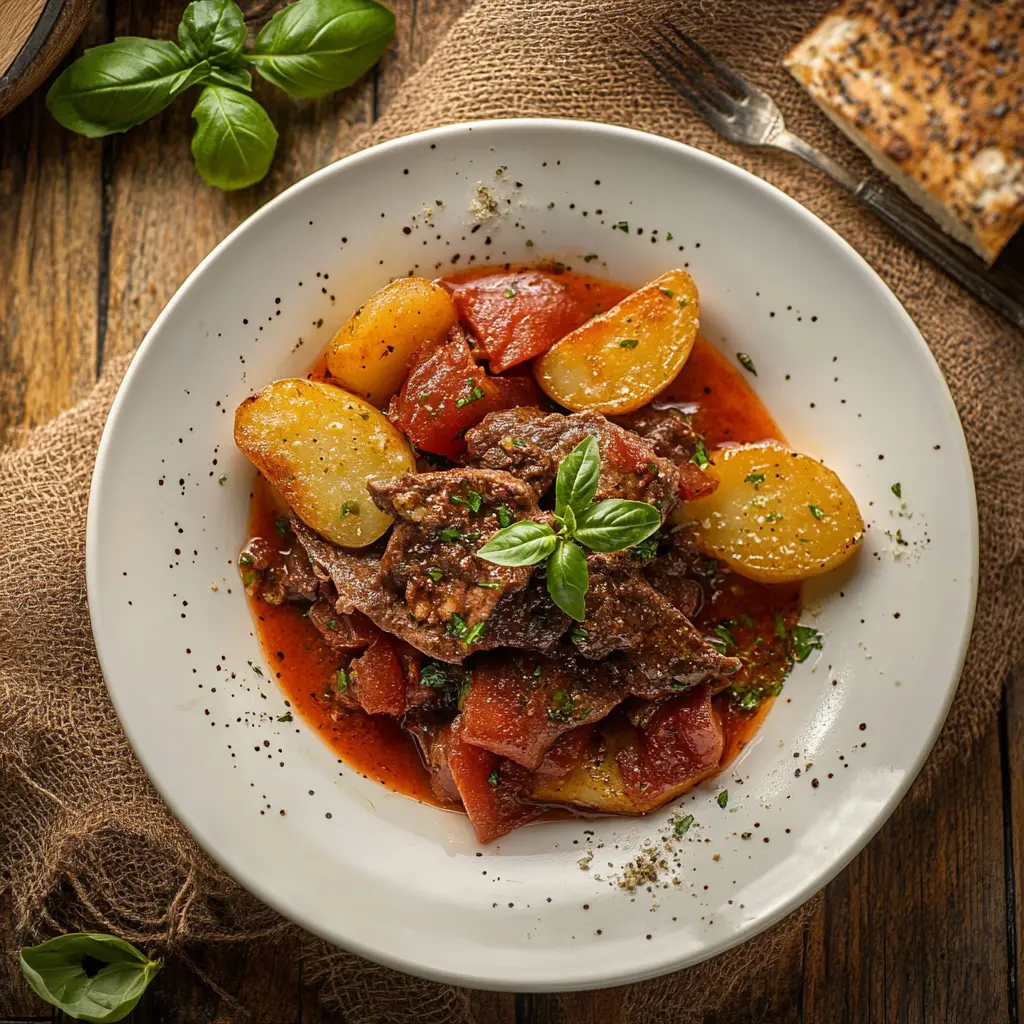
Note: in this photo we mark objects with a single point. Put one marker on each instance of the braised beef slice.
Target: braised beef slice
(671, 573)
(441, 519)
(625, 613)
(531, 444)
(428, 574)
(300, 583)
(432, 733)
(527, 619)
(672, 435)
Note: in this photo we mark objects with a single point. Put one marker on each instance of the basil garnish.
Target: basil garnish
(309, 48)
(315, 47)
(611, 525)
(91, 977)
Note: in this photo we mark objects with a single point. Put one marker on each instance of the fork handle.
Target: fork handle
(958, 262)
(911, 223)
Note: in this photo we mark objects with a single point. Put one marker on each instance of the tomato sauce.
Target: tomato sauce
(725, 409)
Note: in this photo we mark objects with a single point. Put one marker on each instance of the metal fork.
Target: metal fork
(748, 116)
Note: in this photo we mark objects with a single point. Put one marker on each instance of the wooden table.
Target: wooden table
(95, 236)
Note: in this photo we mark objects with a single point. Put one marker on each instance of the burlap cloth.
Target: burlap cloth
(84, 840)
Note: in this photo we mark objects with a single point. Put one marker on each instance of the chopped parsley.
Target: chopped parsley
(246, 559)
(682, 825)
(628, 342)
(749, 700)
(488, 585)
(683, 303)
(746, 362)
(475, 632)
(780, 626)
(562, 707)
(475, 394)
(223, 479)
(464, 688)
(433, 677)
(341, 680)
(332, 625)
(623, 225)
(723, 798)
(897, 490)
(805, 639)
(457, 627)
(435, 574)
(518, 442)
(578, 634)
(754, 478)
(286, 717)
(900, 540)
(646, 549)
(816, 512)
(282, 526)
(723, 639)
(668, 237)
(494, 779)
(505, 516)
(473, 500)
(667, 291)
(350, 508)
(773, 517)
(449, 535)
(589, 257)
(700, 454)
(510, 293)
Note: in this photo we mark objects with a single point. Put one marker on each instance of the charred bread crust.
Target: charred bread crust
(933, 92)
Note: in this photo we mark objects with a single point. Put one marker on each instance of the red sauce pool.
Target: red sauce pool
(725, 410)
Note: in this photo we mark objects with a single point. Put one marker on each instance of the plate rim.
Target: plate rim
(584, 979)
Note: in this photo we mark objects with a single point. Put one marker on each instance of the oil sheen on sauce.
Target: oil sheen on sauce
(725, 409)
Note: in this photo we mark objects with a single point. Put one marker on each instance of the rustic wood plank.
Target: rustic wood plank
(915, 928)
(50, 217)
(1012, 738)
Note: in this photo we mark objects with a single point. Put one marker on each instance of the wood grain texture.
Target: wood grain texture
(17, 19)
(92, 241)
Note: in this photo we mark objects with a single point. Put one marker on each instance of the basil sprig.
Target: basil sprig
(91, 977)
(309, 48)
(611, 525)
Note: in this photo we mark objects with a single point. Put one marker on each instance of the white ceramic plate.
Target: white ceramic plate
(839, 364)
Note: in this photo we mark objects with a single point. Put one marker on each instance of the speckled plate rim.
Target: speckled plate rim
(586, 978)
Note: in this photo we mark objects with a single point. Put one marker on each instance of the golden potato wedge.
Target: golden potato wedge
(318, 445)
(619, 360)
(777, 516)
(596, 782)
(370, 354)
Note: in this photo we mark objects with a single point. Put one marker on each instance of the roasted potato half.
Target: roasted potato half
(370, 354)
(317, 445)
(777, 516)
(596, 782)
(619, 360)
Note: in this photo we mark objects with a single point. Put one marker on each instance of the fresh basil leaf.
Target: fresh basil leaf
(234, 140)
(118, 85)
(615, 524)
(525, 543)
(233, 78)
(315, 47)
(568, 578)
(569, 520)
(212, 30)
(55, 971)
(576, 483)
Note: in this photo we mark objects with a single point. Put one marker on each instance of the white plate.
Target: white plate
(839, 364)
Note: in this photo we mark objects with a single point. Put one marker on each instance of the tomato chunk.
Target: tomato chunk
(490, 786)
(447, 392)
(517, 315)
(519, 703)
(694, 482)
(679, 739)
